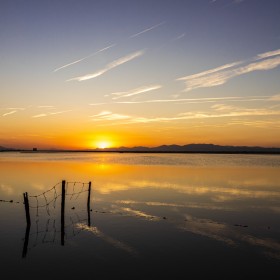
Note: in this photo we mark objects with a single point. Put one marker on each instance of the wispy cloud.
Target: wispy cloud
(268, 54)
(218, 111)
(136, 91)
(275, 97)
(109, 66)
(12, 110)
(204, 100)
(39, 116)
(109, 116)
(46, 106)
(60, 112)
(9, 113)
(50, 114)
(80, 60)
(260, 65)
(179, 37)
(237, 112)
(146, 30)
(96, 104)
(16, 108)
(270, 123)
(211, 71)
(220, 75)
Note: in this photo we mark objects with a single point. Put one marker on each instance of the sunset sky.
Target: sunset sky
(108, 73)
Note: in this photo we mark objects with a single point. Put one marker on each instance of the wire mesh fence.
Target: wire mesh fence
(45, 207)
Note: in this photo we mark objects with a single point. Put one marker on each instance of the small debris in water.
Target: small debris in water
(238, 225)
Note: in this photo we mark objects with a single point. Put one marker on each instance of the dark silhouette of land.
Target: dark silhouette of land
(190, 148)
(200, 148)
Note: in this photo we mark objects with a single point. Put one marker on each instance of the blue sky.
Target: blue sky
(193, 71)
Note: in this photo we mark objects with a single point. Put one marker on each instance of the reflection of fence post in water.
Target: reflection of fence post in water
(26, 240)
(26, 206)
(88, 202)
(28, 224)
(62, 212)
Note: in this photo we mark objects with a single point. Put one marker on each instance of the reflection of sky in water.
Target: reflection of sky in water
(191, 160)
(106, 238)
(137, 208)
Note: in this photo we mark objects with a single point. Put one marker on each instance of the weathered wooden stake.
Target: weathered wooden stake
(62, 211)
(26, 206)
(88, 202)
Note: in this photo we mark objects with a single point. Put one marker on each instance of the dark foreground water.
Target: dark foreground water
(151, 216)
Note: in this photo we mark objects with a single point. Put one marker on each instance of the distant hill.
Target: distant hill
(196, 148)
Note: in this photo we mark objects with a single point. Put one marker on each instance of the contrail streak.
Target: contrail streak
(146, 30)
(79, 60)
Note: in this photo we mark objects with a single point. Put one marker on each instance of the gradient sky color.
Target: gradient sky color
(83, 73)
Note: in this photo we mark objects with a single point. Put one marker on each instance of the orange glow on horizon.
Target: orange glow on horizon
(91, 138)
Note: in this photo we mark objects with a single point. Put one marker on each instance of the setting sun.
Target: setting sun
(101, 140)
(103, 144)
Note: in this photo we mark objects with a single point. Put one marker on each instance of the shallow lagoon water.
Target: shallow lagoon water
(152, 215)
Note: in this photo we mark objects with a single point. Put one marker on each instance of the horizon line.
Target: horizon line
(157, 148)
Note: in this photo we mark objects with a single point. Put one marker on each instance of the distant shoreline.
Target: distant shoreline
(163, 149)
(143, 152)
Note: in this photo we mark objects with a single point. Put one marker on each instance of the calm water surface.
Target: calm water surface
(151, 216)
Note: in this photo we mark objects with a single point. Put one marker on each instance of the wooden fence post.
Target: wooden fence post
(26, 206)
(88, 202)
(62, 211)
